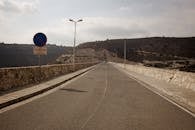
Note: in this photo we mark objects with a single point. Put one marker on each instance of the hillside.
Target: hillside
(162, 52)
(155, 51)
(14, 55)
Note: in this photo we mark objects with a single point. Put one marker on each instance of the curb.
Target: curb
(30, 95)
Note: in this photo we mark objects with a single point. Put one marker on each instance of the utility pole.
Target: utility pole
(125, 52)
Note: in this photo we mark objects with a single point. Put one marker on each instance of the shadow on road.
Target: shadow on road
(72, 90)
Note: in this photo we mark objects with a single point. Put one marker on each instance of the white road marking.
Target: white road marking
(100, 102)
(156, 92)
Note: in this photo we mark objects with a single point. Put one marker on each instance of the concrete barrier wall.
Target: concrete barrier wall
(181, 79)
(21, 76)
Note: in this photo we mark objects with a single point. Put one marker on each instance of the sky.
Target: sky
(20, 20)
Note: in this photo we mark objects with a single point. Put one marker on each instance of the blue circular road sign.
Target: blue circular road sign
(40, 39)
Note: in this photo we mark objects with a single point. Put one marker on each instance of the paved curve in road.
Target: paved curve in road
(103, 99)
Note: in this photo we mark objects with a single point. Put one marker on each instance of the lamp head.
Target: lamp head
(71, 20)
(80, 20)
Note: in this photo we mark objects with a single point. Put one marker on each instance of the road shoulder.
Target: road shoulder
(183, 98)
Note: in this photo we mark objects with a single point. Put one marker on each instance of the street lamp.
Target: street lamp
(75, 25)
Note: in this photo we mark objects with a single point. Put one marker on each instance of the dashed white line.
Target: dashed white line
(101, 100)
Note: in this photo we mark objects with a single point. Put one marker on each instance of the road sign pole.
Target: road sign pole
(39, 56)
(40, 41)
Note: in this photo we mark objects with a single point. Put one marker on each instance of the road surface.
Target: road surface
(103, 99)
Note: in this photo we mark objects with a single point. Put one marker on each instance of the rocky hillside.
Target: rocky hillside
(155, 51)
(13, 55)
(160, 48)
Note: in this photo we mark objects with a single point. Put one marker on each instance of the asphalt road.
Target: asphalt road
(103, 99)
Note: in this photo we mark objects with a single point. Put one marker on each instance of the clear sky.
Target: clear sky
(102, 19)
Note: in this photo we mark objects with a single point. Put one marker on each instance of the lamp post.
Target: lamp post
(75, 25)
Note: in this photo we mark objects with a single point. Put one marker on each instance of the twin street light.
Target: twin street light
(75, 25)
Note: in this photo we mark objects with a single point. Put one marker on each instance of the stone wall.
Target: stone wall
(181, 79)
(21, 76)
